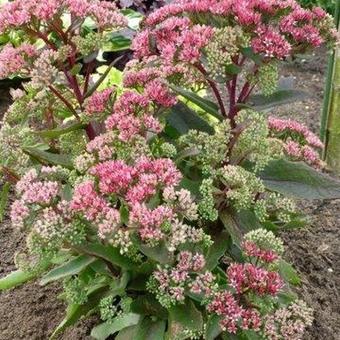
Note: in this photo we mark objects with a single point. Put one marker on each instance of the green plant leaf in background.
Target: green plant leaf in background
(60, 131)
(288, 273)
(261, 102)
(299, 180)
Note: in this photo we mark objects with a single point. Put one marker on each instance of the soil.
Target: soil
(31, 312)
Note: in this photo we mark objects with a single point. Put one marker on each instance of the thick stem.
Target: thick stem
(90, 131)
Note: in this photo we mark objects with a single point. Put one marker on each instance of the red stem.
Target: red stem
(65, 101)
(214, 89)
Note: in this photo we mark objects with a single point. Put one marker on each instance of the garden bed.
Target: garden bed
(32, 312)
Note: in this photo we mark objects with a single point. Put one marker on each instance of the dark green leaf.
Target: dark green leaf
(249, 53)
(49, 158)
(75, 312)
(183, 119)
(104, 330)
(4, 199)
(72, 267)
(281, 97)
(213, 329)
(221, 243)
(288, 273)
(60, 131)
(205, 104)
(184, 317)
(107, 253)
(127, 333)
(233, 69)
(237, 223)
(299, 180)
(150, 330)
(148, 305)
(117, 42)
(158, 253)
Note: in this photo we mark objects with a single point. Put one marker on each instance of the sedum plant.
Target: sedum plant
(163, 222)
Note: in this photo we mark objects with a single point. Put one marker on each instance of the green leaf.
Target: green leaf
(148, 305)
(72, 267)
(117, 42)
(45, 157)
(249, 53)
(183, 119)
(184, 317)
(158, 253)
(76, 69)
(299, 180)
(205, 104)
(107, 253)
(238, 223)
(281, 97)
(213, 329)
(288, 273)
(127, 333)
(15, 278)
(75, 312)
(221, 243)
(134, 18)
(60, 131)
(104, 330)
(4, 199)
(147, 329)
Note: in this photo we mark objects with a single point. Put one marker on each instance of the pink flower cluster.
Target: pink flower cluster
(271, 43)
(15, 59)
(134, 184)
(22, 12)
(233, 315)
(299, 141)
(186, 275)
(32, 191)
(131, 116)
(170, 33)
(245, 277)
(252, 250)
(177, 39)
(98, 102)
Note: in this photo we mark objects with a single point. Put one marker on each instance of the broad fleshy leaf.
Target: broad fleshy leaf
(71, 267)
(147, 329)
(281, 97)
(148, 305)
(49, 158)
(288, 273)
(75, 312)
(183, 119)
(15, 278)
(104, 330)
(299, 180)
(213, 329)
(205, 104)
(184, 317)
(4, 199)
(221, 244)
(60, 131)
